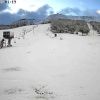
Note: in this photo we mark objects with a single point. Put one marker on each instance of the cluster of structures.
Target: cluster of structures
(7, 35)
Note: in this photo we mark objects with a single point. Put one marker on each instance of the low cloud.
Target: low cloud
(40, 14)
(3, 6)
(79, 12)
(71, 11)
(7, 18)
(90, 12)
(98, 12)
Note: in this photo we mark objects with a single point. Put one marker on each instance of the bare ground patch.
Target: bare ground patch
(33, 93)
(11, 69)
(12, 91)
(43, 93)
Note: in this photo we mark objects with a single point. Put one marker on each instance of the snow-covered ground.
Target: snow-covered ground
(40, 67)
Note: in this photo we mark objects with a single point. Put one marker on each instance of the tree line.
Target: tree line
(69, 26)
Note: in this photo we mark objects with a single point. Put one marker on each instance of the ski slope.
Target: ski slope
(41, 67)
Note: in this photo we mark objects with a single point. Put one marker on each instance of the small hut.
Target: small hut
(8, 35)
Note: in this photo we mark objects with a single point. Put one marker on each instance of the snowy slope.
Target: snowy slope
(40, 67)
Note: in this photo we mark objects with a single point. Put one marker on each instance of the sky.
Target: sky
(41, 8)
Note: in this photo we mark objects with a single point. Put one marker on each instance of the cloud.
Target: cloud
(29, 5)
(98, 12)
(7, 18)
(90, 12)
(43, 11)
(79, 12)
(3, 6)
(40, 14)
(71, 11)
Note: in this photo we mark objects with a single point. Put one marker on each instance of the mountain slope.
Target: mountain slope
(40, 67)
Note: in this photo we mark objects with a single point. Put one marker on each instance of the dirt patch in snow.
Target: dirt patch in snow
(43, 93)
(12, 91)
(11, 69)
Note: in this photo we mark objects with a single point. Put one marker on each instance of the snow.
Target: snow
(41, 67)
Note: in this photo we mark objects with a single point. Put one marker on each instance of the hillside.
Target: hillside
(41, 67)
(61, 16)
